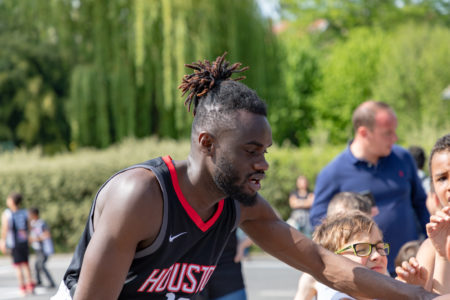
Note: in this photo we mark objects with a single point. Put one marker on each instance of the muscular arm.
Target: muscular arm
(128, 213)
(287, 244)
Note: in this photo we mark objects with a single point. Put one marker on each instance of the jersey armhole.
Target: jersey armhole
(162, 232)
(238, 214)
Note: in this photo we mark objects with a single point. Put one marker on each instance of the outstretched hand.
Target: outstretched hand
(411, 272)
(439, 229)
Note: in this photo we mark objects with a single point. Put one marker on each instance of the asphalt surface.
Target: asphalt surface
(266, 278)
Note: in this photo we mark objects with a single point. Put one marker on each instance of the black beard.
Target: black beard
(226, 179)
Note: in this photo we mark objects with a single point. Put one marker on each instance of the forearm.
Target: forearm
(336, 271)
(441, 276)
(358, 281)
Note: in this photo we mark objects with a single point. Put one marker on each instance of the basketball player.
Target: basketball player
(157, 229)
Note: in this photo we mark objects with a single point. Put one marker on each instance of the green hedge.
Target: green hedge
(63, 186)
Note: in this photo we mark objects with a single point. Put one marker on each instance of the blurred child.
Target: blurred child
(355, 236)
(341, 203)
(300, 201)
(41, 242)
(14, 240)
(407, 251)
(349, 201)
(431, 268)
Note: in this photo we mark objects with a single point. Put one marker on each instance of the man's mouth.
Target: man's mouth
(255, 181)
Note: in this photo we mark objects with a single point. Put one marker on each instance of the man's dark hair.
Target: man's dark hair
(442, 144)
(214, 94)
(419, 155)
(16, 198)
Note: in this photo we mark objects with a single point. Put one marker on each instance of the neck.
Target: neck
(199, 188)
(358, 149)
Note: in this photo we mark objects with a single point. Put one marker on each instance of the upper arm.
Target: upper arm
(306, 288)
(4, 229)
(128, 212)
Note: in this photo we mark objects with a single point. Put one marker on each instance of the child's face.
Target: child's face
(440, 172)
(374, 261)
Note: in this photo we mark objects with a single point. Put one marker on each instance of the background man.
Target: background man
(373, 163)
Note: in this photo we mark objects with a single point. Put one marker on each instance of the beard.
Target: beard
(226, 179)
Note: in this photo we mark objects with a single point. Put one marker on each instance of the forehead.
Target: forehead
(385, 118)
(367, 237)
(250, 127)
(440, 161)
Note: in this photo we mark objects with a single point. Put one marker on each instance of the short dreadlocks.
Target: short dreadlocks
(214, 94)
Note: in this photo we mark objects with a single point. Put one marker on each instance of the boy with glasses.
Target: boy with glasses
(355, 236)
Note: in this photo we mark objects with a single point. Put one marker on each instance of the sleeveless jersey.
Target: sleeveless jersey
(179, 263)
(17, 227)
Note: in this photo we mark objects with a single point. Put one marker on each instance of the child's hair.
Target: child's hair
(442, 144)
(407, 251)
(34, 211)
(339, 229)
(419, 156)
(345, 201)
(16, 198)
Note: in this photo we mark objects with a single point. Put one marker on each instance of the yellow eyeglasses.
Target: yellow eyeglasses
(365, 249)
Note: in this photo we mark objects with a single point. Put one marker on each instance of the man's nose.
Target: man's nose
(261, 165)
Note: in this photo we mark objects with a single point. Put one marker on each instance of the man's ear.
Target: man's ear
(362, 131)
(206, 142)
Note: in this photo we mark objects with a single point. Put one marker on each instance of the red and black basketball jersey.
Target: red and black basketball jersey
(184, 255)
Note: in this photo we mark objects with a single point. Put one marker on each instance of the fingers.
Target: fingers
(411, 272)
(405, 271)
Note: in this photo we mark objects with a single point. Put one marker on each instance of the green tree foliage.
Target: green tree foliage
(294, 117)
(344, 15)
(348, 75)
(128, 86)
(112, 67)
(413, 73)
(33, 84)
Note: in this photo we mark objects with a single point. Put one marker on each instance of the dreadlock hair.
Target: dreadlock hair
(442, 144)
(214, 95)
(364, 114)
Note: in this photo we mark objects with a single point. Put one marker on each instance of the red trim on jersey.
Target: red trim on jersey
(187, 207)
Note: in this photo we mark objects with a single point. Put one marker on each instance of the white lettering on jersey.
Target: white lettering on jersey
(185, 287)
(187, 278)
(175, 288)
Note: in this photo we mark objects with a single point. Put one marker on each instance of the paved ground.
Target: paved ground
(266, 278)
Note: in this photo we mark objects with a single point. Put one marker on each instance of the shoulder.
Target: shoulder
(132, 187)
(340, 160)
(401, 153)
(132, 200)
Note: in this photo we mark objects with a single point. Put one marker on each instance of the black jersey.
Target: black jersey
(184, 255)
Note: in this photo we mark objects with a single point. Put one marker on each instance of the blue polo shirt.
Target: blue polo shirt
(395, 185)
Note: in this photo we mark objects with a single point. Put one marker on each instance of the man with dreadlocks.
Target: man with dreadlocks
(157, 229)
